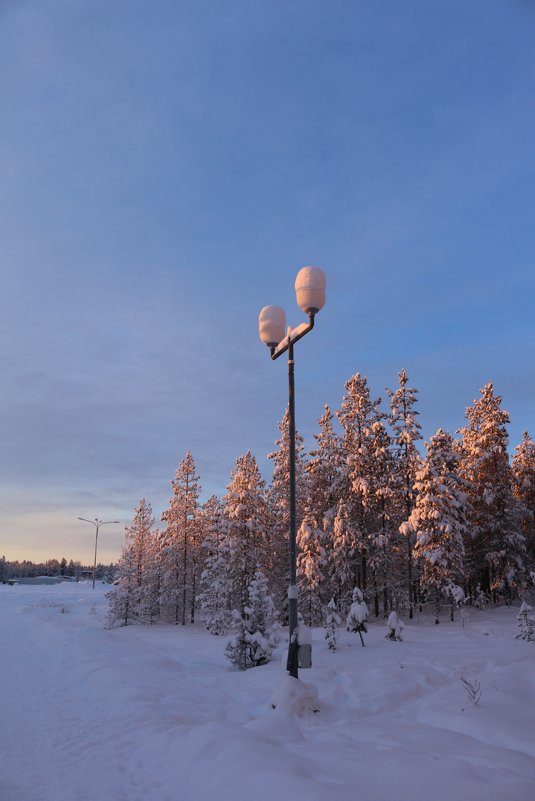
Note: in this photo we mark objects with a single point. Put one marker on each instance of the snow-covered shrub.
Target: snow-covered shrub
(256, 629)
(456, 593)
(358, 614)
(464, 611)
(395, 627)
(526, 621)
(481, 599)
(457, 598)
(332, 621)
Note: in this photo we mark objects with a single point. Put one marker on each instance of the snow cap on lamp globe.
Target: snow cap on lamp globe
(310, 289)
(272, 325)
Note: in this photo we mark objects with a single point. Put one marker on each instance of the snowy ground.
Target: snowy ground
(156, 714)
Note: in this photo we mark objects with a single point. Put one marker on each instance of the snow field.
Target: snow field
(157, 714)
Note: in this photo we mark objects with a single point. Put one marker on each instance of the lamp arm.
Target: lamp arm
(297, 334)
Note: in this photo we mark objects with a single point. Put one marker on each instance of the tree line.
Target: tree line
(454, 525)
(25, 568)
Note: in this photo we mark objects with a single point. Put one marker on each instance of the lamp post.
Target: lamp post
(97, 523)
(310, 295)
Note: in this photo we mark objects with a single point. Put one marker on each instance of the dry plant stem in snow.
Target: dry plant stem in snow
(473, 690)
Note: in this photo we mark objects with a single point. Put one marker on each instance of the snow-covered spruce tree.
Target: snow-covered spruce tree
(311, 568)
(279, 508)
(332, 623)
(181, 553)
(123, 599)
(496, 547)
(256, 628)
(247, 520)
(324, 470)
(152, 577)
(128, 601)
(407, 461)
(439, 519)
(523, 467)
(215, 600)
(384, 539)
(357, 415)
(342, 558)
(526, 621)
(358, 614)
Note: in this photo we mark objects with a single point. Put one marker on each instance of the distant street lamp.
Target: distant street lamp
(97, 523)
(310, 295)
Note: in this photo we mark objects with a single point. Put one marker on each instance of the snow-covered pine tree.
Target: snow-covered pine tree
(215, 600)
(311, 568)
(246, 513)
(152, 576)
(406, 432)
(278, 497)
(180, 555)
(324, 470)
(256, 628)
(523, 468)
(342, 558)
(496, 548)
(439, 519)
(526, 621)
(357, 415)
(129, 601)
(123, 599)
(332, 622)
(383, 538)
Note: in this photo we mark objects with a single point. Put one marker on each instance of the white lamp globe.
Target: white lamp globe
(310, 289)
(272, 325)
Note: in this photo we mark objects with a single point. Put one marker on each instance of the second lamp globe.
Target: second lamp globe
(310, 289)
(272, 325)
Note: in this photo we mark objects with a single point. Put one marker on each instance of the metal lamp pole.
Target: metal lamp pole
(310, 292)
(97, 523)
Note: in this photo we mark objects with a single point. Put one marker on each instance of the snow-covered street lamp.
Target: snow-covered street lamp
(97, 523)
(310, 295)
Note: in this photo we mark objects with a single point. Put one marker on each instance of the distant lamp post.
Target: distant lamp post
(97, 523)
(310, 295)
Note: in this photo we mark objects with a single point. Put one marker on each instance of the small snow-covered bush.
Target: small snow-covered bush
(358, 614)
(256, 629)
(481, 599)
(395, 627)
(332, 621)
(526, 621)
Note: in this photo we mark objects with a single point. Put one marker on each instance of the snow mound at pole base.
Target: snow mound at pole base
(294, 697)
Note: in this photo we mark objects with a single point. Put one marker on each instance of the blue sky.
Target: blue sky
(168, 167)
